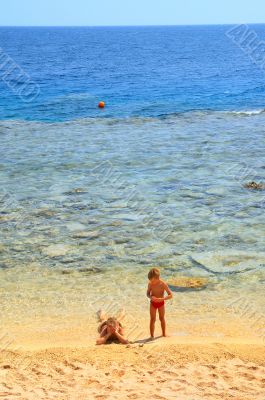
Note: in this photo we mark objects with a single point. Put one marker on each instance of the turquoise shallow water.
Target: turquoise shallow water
(88, 206)
(90, 199)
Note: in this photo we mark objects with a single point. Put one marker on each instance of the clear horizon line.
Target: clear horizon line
(129, 26)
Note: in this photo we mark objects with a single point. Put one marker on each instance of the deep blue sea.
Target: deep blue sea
(138, 71)
(90, 199)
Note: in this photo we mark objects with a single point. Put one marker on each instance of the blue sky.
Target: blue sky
(130, 12)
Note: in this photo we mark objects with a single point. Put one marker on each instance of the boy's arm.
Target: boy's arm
(170, 295)
(120, 337)
(148, 293)
(103, 340)
(104, 331)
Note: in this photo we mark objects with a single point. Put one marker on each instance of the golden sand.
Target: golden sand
(167, 368)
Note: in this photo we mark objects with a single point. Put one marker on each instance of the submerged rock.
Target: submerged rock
(75, 226)
(57, 250)
(6, 218)
(75, 191)
(18, 248)
(4, 266)
(84, 270)
(89, 270)
(71, 260)
(254, 186)
(79, 206)
(115, 223)
(228, 261)
(86, 235)
(188, 283)
(67, 271)
(45, 213)
(121, 240)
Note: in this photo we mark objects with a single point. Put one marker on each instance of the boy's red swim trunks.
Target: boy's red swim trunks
(157, 305)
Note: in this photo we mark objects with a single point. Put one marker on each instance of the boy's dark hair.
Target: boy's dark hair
(154, 273)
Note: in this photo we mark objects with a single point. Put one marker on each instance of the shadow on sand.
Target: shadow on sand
(147, 340)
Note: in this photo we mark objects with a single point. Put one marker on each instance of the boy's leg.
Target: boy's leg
(152, 320)
(161, 312)
(102, 316)
(121, 315)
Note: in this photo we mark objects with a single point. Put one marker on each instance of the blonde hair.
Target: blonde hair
(154, 273)
(112, 322)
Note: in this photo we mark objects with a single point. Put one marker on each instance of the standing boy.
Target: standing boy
(155, 291)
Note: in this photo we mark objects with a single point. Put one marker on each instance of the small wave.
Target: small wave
(135, 120)
(247, 112)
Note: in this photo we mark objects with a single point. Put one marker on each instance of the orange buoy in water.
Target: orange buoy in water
(101, 104)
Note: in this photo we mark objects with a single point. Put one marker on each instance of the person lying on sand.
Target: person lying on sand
(110, 329)
(155, 292)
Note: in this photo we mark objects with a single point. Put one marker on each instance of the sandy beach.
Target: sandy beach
(215, 349)
(167, 368)
(170, 173)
